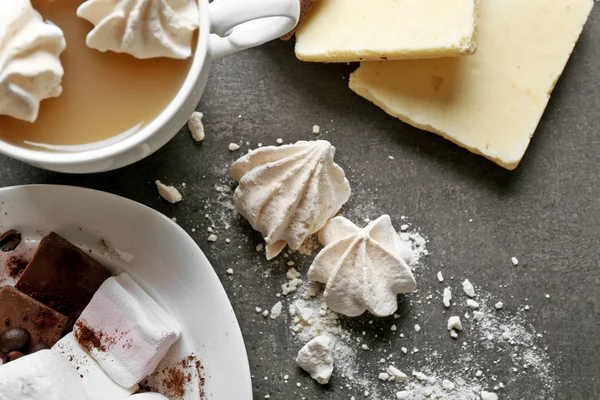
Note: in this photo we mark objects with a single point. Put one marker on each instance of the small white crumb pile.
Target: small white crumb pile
(316, 129)
(293, 283)
(316, 358)
(196, 127)
(169, 193)
(234, 146)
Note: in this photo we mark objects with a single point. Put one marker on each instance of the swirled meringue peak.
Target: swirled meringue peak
(289, 192)
(363, 269)
(142, 28)
(30, 68)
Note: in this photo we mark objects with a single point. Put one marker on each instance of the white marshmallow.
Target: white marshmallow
(148, 396)
(136, 332)
(97, 385)
(44, 375)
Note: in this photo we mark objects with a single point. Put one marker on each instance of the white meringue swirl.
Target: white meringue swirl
(289, 192)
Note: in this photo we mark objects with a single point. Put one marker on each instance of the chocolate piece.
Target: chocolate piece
(62, 276)
(14, 339)
(10, 240)
(40, 346)
(18, 310)
(16, 265)
(12, 356)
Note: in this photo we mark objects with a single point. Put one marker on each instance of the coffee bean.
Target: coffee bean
(38, 346)
(9, 240)
(13, 339)
(12, 356)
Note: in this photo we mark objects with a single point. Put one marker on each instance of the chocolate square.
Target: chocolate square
(17, 310)
(62, 276)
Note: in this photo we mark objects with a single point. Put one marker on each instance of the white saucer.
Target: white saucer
(127, 236)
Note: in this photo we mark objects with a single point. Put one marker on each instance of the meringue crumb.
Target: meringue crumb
(447, 297)
(276, 310)
(420, 376)
(383, 376)
(417, 328)
(454, 323)
(515, 261)
(230, 271)
(169, 193)
(212, 238)
(279, 141)
(499, 305)
(196, 127)
(316, 129)
(468, 288)
(234, 146)
(440, 276)
(472, 303)
(260, 247)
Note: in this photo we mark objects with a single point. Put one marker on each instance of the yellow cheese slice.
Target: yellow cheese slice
(357, 30)
(491, 102)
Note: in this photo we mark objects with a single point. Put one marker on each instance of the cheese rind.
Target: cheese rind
(359, 30)
(491, 102)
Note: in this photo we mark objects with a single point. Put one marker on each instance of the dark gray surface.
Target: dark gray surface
(547, 212)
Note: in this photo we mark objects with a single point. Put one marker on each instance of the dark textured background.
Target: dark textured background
(547, 212)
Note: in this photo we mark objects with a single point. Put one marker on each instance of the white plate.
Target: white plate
(159, 255)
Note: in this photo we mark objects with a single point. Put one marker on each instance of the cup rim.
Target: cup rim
(114, 149)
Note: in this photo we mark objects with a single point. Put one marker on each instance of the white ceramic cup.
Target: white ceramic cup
(226, 26)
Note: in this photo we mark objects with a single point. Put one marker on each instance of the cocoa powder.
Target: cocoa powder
(88, 338)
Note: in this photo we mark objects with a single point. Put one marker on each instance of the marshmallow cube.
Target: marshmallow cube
(148, 396)
(125, 330)
(44, 375)
(97, 385)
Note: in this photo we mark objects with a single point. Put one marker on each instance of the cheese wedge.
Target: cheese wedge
(360, 30)
(491, 102)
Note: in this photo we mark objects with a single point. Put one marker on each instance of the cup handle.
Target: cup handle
(241, 24)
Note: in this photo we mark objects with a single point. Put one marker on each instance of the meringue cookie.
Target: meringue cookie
(316, 358)
(133, 331)
(96, 383)
(43, 375)
(362, 268)
(142, 28)
(30, 68)
(289, 192)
